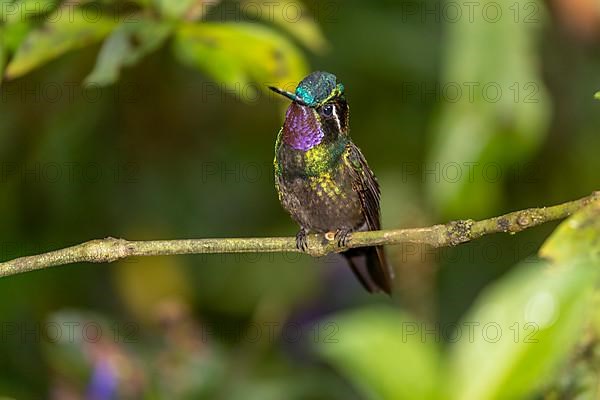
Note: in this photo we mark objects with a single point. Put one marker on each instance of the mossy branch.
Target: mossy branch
(450, 234)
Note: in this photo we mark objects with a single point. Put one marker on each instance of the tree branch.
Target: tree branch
(450, 234)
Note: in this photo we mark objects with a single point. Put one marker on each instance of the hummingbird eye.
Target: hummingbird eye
(327, 110)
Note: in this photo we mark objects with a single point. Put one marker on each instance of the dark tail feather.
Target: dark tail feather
(371, 268)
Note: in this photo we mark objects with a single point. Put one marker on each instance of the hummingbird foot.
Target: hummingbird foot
(343, 236)
(302, 240)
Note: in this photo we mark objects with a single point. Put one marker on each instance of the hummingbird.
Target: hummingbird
(322, 179)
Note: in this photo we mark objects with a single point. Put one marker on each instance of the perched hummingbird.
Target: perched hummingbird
(323, 179)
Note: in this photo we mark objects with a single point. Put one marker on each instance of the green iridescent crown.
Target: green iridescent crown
(318, 87)
(314, 90)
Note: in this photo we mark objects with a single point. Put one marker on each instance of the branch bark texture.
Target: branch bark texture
(450, 234)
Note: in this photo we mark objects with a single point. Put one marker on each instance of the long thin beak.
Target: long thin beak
(289, 95)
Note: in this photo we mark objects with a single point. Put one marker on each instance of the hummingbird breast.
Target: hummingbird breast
(316, 189)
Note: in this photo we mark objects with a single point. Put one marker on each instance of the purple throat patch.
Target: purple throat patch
(301, 129)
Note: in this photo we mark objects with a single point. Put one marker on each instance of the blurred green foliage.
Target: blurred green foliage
(374, 342)
(147, 119)
(245, 54)
(127, 44)
(504, 117)
(48, 42)
(231, 53)
(507, 345)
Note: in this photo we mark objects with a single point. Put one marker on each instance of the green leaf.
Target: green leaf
(126, 45)
(495, 108)
(238, 53)
(188, 10)
(14, 34)
(577, 237)
(384, 353)
(63, 31)
(597, 96)
(523, 328)
(292, 16)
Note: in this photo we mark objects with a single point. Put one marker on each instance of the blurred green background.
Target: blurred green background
(463, 111)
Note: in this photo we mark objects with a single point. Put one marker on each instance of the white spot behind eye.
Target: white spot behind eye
(336, 118)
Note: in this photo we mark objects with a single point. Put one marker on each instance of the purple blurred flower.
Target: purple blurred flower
(104, 382)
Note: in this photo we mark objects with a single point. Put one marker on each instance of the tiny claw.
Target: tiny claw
(302, 240)
(342, 236)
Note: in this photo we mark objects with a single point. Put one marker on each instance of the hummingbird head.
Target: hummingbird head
(318, 113)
